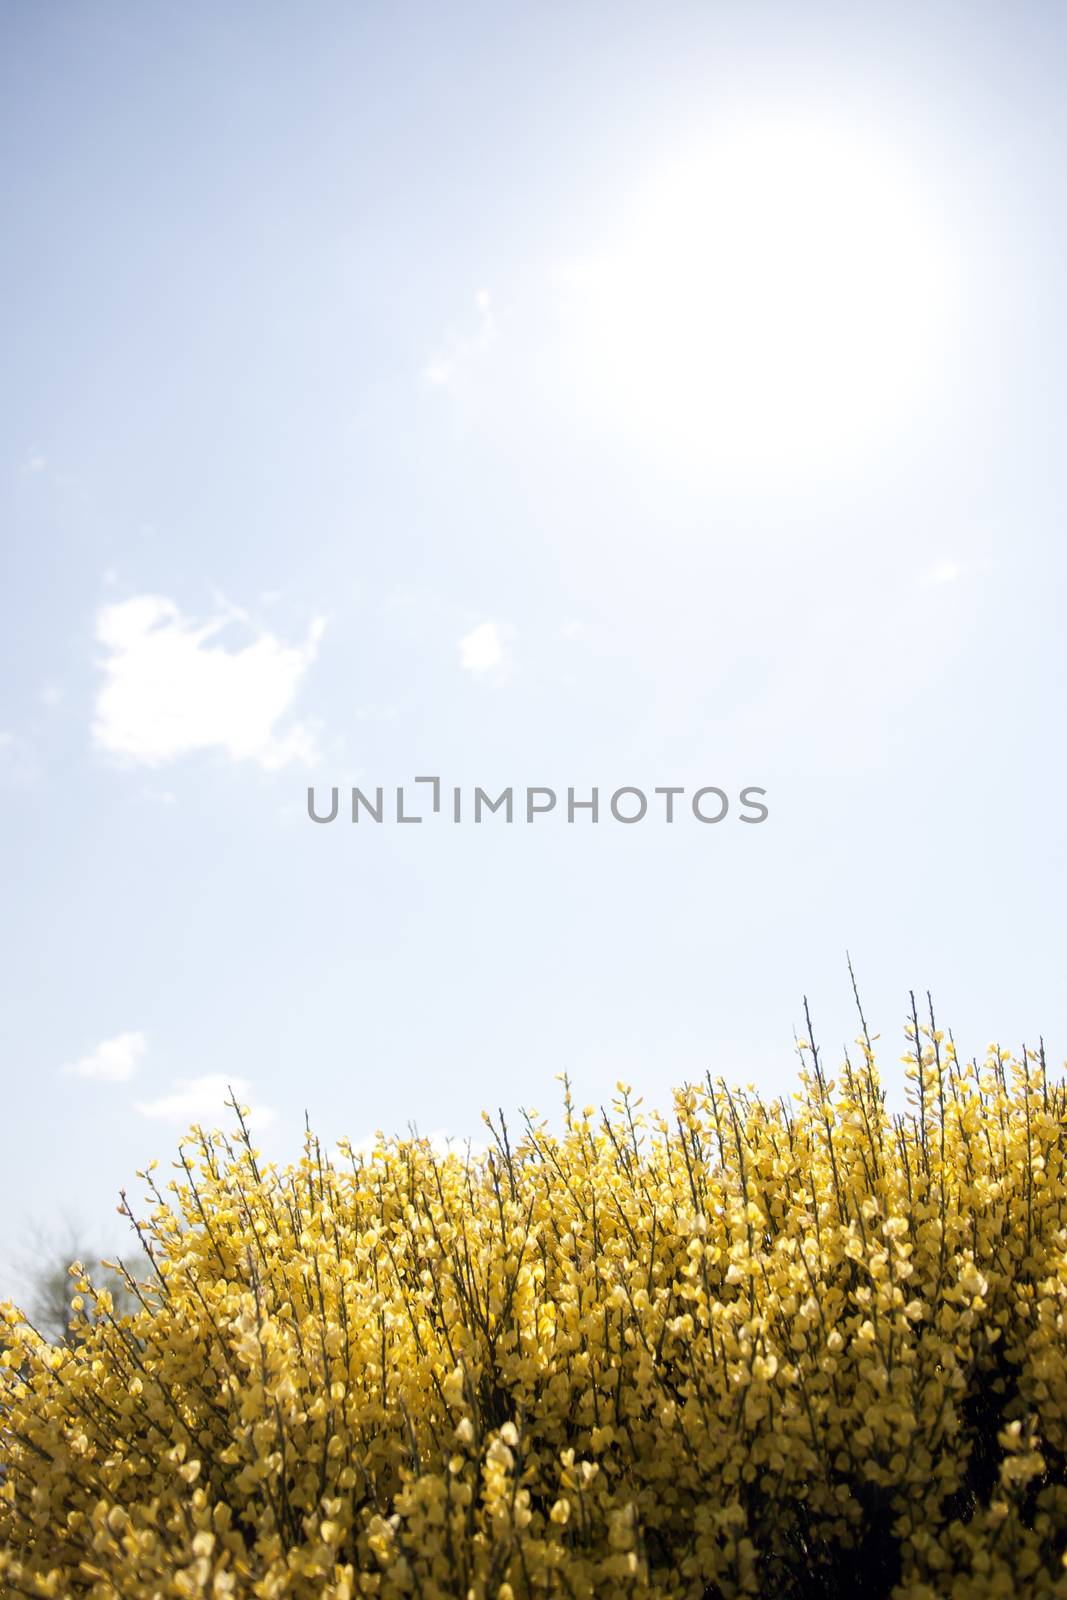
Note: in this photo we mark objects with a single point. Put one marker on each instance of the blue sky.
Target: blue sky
(530, 395)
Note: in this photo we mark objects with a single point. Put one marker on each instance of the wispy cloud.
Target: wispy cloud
(460, 348)
(171, 688)
(484, 647)
(34, 464)
(943, 572)
(113, 1060)
(205, 1101)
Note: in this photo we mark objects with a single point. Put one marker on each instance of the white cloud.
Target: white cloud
(170, 690)
(205, 1101)
(113, 1061)
(943, 572)
(459, 349)
(35, 464)
(483, 648)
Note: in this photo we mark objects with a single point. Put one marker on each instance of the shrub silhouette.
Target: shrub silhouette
(52, 1289)
(795, 1349)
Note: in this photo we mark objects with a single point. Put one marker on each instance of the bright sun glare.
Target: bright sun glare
(777, 301)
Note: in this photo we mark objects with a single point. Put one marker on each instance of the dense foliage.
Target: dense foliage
(794, 1350)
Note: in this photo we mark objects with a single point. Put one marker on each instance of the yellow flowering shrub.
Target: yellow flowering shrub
(797, 1350)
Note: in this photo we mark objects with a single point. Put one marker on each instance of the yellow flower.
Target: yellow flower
(641, 1355)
